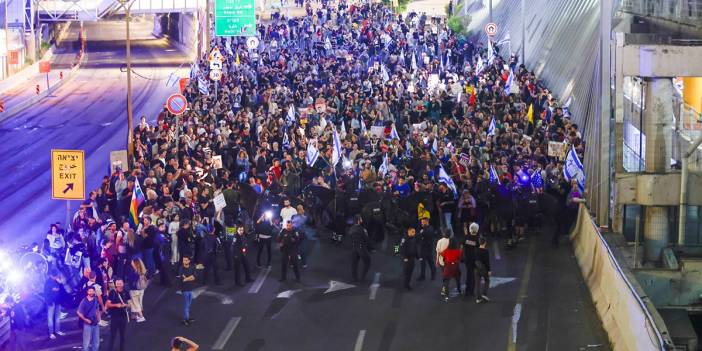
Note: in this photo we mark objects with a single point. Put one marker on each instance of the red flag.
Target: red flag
(471, 102)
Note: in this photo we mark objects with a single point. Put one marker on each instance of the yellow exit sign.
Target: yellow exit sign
(68, 174)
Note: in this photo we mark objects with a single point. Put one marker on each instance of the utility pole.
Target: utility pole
(7, 44)
(130, 138)
(208, 20)
(491, 11)
(523, 34)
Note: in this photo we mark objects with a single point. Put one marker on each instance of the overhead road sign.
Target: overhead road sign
(235, 18)
(67, 174)
(176, 104)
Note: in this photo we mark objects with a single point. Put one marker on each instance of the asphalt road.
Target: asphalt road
(327, 312)
(87, 113)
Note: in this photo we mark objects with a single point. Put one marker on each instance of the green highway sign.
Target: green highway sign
(235, 18)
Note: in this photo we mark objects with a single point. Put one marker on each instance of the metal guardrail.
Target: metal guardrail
(681, 11)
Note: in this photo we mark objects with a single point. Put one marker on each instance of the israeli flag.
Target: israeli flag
(491, 128)
(492, 175)
(480, 65)
(194, 70)
(386, 77)
(510, 82)
(490, 52)
(203, 87)
(286, 140)
(393, 133)
(228, 46)
(565, 107)
(343, 130)
(573, 169)
(383, 169)
(505, 40)
(312, 153)
(444, 178)
(435, 146)
(291, 114)
(337, 152)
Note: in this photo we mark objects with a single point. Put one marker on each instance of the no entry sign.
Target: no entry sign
(176, 104)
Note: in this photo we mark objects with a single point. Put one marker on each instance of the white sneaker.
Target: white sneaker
(60, 333)
(485, 297)
(63, 315)
(141, 319)
(103, 323)
(52, 336)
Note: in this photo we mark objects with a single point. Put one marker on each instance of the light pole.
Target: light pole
(490, 11)
(130, 138)
(523, 35)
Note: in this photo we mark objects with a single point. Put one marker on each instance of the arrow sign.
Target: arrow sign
(336, 286)
(497, 281)
(287, 293)
(69, 186)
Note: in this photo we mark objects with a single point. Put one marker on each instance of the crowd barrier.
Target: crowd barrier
(627, 318)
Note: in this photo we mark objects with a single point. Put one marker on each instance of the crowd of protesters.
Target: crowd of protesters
(413, 107)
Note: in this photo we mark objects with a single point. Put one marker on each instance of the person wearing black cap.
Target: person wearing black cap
(360, 244)
(409, 251)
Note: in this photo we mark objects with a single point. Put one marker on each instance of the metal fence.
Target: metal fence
(682, 11)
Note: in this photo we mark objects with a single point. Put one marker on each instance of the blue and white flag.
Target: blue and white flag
(492, 175)
(573, 169)
(194, 70)
(444, 178)
(435, 146)
(343, 130)
(393, 133)
(383, 169)
(510, 82)
(386, 77)
(202, 86)
(414, 62)
(286, 139)
(536, 180)
(491, 128)
(490, 53)
(363, 126)
(291, 114)
(337, 151)
(565, 107)
(172, 80)
(480, 65)
(408, 148)
(448, 59)
(312, 153)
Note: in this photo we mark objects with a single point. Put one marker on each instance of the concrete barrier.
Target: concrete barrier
(631, 322)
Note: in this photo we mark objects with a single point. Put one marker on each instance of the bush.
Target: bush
(459, 24)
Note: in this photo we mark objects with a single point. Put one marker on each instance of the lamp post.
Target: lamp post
(127, 5)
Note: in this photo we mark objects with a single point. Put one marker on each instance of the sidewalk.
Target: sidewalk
(22, 87)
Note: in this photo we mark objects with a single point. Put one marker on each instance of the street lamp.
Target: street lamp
(127, 5)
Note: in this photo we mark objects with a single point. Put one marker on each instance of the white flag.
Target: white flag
(490, 52)
(291, 114)
(202, 86)
(573, 169)
(343, 130)
(383, 169)
(312, 153)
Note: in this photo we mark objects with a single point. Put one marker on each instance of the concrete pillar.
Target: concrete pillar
(658, 121)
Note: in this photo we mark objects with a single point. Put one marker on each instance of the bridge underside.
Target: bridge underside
(94, 10)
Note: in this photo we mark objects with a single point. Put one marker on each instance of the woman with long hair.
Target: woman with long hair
(137, 284)
(452, 258)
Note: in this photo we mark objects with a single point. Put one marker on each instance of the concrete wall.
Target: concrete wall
(180, 28)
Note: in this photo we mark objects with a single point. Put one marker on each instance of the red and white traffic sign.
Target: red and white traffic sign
(176, 104)
(216, 75)
(491, 29)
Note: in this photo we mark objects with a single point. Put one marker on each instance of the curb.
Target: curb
(35, 99)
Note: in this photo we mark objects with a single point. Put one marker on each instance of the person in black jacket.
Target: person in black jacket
(409, 251)
(360, 244)
(240, 247)
(52, 294)
(470, 246)
(289, 241)
(427, 240)
(482, 271)
(264, 236)
(211, 245)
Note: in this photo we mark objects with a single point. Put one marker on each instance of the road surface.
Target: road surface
(86, 113)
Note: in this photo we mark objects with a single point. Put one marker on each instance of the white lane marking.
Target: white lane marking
(64, 347)
(515, 321)
(359, 340)
(223, 298)
(497, 281)
(287, 293)
(336, 286)
(226, 333)
(256, 286)
(160, 296)
(496, 249)
(374, 287)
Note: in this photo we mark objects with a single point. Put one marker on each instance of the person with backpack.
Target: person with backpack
(89, 317)
(117, 302)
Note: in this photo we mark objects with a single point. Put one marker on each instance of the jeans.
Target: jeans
(52, 315)
(117, 326)
(91, 337)
(447, 222)
(188, 299)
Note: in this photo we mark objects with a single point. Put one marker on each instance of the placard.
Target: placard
(555, 149)
(378, 131)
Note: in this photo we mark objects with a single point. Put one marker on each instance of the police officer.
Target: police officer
(409, 250)
(240, 246)
(289, 242)
(360, 243)
(426, 238)
(470, 247)
(211, 245)
(229, 233)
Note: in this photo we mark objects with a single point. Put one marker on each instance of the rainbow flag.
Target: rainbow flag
(137, 200)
